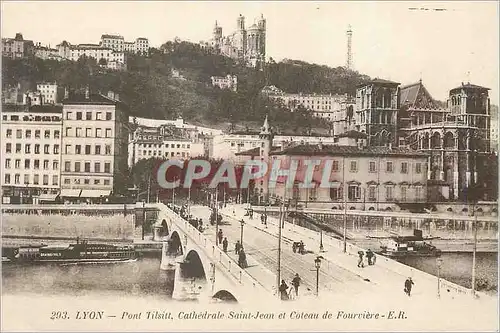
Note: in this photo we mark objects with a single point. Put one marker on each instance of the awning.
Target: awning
(48, 197)
(69, 192)
(94, 193)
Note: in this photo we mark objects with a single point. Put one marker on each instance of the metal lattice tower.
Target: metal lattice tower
(349, 48)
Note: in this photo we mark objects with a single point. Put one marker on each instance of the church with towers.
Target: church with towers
(248, 45)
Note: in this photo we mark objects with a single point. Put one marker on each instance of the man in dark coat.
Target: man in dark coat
(283, 291)
(296, 283)
(219, 236)
(224, 244)
(408, 285)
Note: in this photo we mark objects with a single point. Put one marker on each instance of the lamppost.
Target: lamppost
(242, 223)
(439, 262)
(321, 248)
(317, 264)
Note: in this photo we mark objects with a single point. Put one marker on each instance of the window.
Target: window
(98, 116)
(86, 181)
(76, 180)
(88, 116)
(45, 164)
(78, 116)
(106, 181)
(418, 168)
(45, 179)
(108, 150)
(36, 164)
(67, 149)
(108, 115)
(19, 134)
(17, 178)
(354, 166)
(37, 134)
(372, 167)
(108, 132)
(8, 148)
(389, 167)
(78, 132)
(97, 167)
(67, 166)
(55, 180)
(67, 181)
(36, 179)
(46, 149)
(98, 132)
(107, 167)
(26, 179)
(26, 164)
(97, 181)
(28, 134)
(56, 149)
(7, 178)
(9, 133)
(87, 150)
(353, 192)
(46, 135)
(37, 149)
(418, 192)
(55, 165)
(17, 163)
(404, 167)
(69, 116)
(371, 193)
(77, 166)
(403, 193)
(18, 148)
(68, 131)
(27, 149)
(87, 166)
(88, 132)
(98, 150)
(7, 163)
(78, 149)
(57, 134)
(388, 193)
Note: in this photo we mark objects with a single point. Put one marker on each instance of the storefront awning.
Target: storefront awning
(48, 197)
(94, 193)
(69, 192)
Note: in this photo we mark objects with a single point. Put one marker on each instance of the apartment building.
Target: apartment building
(94, 146)
(17, 47)
(229, 82)
(106, 56)
(118, 43)
(49, 92)
(31, 153)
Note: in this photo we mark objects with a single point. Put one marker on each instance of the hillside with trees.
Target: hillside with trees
(151, 91)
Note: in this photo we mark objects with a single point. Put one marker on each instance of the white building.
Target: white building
(31, 153)
(320, 105)
(94, 146)
(118, 43)
(46, 52)
(48, 91)
(112, 59)
(114, 42)
(229, 82)
(17, 47)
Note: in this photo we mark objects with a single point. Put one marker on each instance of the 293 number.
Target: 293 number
(59, 315)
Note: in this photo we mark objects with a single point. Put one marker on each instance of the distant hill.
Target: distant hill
(151, 90)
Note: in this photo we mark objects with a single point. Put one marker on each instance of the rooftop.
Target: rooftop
(32, 109)
(335, 150)
(468, 85)
(353, 134)
(380, 82)
(111, 36)
(255, 151)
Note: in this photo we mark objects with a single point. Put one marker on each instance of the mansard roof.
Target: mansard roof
(416, 96)
(468, 85)
(337, 150)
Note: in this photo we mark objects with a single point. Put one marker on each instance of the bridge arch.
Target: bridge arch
(225, 296)
(164, 226)
(174, 246)
(192, 266)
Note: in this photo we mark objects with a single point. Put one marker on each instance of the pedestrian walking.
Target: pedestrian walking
(224, 244)
(408, 285)
(237, 247)
(283, 290)
(242, 258)
(360, 259)
(369, 256)
(220, 236)
(296, 283)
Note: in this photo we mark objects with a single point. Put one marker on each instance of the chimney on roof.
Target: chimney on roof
(87, 92)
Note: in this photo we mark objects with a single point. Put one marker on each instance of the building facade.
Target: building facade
(94, 146)
(164, 142)
(247, 45)
(31, 153)
(117, 43)
(17, 47)
(105, 56)
(229, 82)
(49, 91)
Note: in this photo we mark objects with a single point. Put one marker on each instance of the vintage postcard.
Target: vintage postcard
(249, 166)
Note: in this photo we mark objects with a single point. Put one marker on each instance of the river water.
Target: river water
(144, 277)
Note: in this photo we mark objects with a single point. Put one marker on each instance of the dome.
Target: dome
(253, 27)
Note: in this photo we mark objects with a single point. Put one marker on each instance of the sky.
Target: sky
(400, 41)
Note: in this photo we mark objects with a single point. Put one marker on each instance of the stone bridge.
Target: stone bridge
(202, 270)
